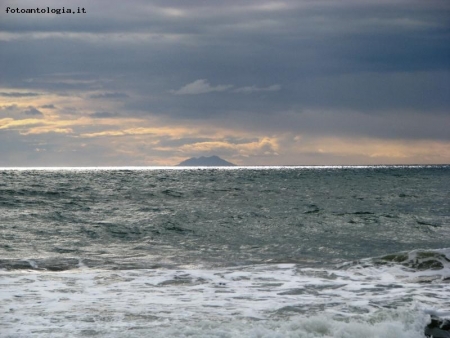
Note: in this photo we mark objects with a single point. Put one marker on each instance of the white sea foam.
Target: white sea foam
(253, 301)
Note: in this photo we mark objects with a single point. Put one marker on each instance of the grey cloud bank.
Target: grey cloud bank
(349, 69)
(18, 94)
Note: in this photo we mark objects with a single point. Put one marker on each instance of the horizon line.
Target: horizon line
(235, 167)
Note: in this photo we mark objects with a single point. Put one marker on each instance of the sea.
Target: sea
(330, 251)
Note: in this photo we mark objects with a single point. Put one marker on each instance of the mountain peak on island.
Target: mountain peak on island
(211, 161)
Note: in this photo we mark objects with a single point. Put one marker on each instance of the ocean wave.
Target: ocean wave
(416, 266)
(375, 297)
(401, 325)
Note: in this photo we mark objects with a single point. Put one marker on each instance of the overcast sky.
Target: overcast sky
(256, 82)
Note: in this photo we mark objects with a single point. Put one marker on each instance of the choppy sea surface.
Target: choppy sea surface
(237, 252)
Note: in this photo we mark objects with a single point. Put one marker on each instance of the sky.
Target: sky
(304, 82)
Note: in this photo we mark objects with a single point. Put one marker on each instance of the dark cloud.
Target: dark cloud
(11, 107)
(18, 94)
(48, 106)
(32, 112)
(102, 114)
(109, 96)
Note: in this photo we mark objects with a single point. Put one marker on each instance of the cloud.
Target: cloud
(48, 106)
(18, 94)
(8, 123)
(11, 107)
(32, 112)
(263, 146)
(253, 89)
(114, 95)
(140, 130)
(363, 150)
(200, 87)
(102, 114)
(46, 130)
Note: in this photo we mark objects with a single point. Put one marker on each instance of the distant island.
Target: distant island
(211, 161)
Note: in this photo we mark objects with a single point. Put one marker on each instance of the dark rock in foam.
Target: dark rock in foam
(438, 328)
